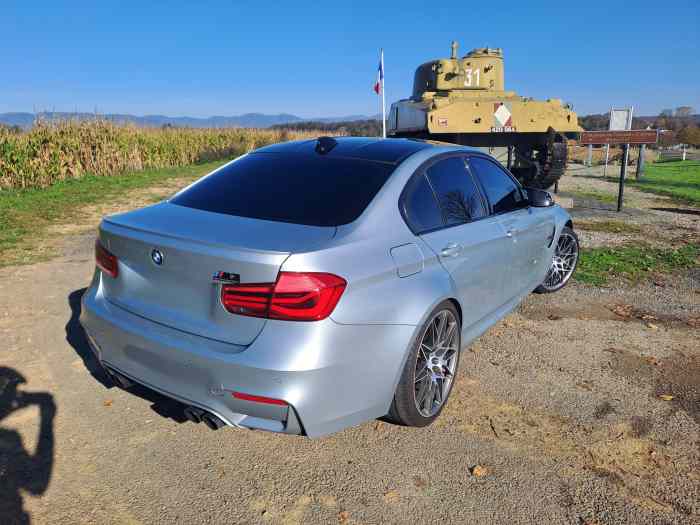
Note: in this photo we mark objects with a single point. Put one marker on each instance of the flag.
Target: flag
(380, 75)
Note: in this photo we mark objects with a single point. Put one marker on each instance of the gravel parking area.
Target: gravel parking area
(580, 407)
(653, 219)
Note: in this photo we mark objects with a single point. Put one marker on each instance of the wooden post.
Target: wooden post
(640, 161)
(623, 169)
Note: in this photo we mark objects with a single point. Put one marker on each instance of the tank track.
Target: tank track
(543, 169)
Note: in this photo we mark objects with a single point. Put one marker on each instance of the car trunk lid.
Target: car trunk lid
(191, 246)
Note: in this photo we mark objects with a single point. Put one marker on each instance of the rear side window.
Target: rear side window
(457, 194)
(420, 207)
(502, 192)
(297, 188)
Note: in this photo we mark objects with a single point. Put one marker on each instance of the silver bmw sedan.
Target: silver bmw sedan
(309, 286)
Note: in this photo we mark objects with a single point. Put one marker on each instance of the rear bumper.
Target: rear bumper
(332, 376)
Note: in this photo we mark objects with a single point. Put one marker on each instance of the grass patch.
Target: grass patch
(600, 196)
(25, 215)
(597, 265)
(679, 179)
(611, 226)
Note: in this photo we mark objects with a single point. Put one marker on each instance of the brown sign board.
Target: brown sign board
(632, 136)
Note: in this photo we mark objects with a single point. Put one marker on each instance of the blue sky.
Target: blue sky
(319, 58)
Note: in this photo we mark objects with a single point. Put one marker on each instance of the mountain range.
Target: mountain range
(257, 120)
(247, 120)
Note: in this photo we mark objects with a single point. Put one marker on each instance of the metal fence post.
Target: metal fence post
(607, 153)
(589, 156)
(510, 157)
(640, 161)
(625, 153)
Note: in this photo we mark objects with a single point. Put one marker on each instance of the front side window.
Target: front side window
(457, 194)
(502, 192)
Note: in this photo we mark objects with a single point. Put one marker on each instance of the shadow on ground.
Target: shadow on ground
(76, 338)
(682, 211)
(21, 471)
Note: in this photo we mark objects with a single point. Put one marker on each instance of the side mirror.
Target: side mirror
(539, 198)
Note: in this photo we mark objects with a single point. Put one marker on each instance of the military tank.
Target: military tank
(464, 101)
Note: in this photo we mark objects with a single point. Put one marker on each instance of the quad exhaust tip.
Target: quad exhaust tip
(212, 421)
(120, 380)
(193, 414)
(197, 415)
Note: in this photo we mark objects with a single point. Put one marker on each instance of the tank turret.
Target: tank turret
(480, 69)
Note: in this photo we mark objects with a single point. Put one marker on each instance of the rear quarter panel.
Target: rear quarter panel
(375, 293)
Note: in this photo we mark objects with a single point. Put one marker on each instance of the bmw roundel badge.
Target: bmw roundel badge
(157, 257)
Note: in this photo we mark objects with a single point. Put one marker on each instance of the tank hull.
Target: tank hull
(484, 140)
(481, 113)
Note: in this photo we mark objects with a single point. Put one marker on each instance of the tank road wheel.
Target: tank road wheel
(429, 372)
(526, 170)
(554, 159)
(563, 264)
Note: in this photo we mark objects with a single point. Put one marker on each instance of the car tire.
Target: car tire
(569, 236)
(404, 408)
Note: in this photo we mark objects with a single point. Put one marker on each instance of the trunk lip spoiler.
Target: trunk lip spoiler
(109, 224)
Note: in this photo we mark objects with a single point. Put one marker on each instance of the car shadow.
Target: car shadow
(682, 211)
(21, 471)
(75, 336)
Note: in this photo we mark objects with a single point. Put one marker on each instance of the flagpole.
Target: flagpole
(383, 99)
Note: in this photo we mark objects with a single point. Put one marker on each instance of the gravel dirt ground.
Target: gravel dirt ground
(580, 407)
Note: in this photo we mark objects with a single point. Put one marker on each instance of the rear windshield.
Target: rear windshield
(301, 189)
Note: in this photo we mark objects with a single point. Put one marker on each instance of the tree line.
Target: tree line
(680, 125)
(355, 128)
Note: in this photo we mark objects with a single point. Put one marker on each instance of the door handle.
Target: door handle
(510, 233)
(452, 249)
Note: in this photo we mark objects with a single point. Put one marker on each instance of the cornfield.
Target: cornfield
(57, 151)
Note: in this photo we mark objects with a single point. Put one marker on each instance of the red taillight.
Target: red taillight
(294, 297)
(105, 261)
(258, 399)
(247, 299)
